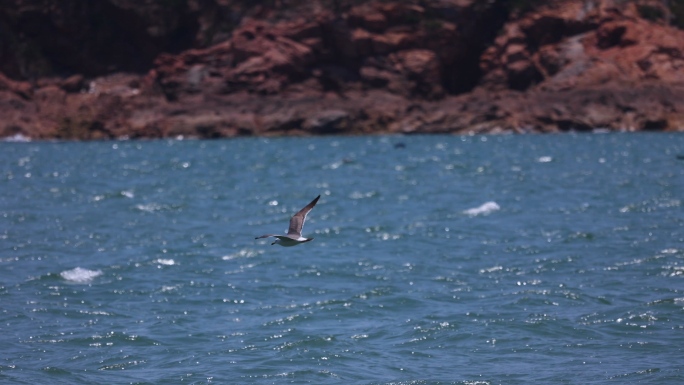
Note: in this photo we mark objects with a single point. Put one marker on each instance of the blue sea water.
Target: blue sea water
(436, 260)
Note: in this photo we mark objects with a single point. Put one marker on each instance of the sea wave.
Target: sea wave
(484, 209)
(80, 275)
(17, 138)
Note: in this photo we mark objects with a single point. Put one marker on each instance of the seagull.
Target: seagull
(294, 233)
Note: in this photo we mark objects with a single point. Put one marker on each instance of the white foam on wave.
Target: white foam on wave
(80, 275)
(149, 207)
(244, 253)
(484, 209)
(17, 138)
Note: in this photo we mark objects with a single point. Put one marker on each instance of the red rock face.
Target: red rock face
(217, 68)
(603, 55)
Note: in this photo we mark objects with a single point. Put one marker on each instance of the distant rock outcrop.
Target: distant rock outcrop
(125, 69)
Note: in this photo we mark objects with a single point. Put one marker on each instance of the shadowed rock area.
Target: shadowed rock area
(212, 68)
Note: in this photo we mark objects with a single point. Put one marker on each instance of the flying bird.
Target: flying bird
(294, 233)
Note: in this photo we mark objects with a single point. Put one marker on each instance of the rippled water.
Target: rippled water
(436, 260)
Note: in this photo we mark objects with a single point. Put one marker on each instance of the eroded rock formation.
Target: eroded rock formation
(211, 68)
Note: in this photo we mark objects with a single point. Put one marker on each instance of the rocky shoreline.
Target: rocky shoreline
(411, 67)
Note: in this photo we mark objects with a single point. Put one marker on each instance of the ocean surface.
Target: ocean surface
(436, 260)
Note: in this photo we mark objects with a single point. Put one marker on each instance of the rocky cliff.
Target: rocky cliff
(219, 68)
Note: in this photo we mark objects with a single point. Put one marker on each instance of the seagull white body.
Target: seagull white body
(294, 233)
